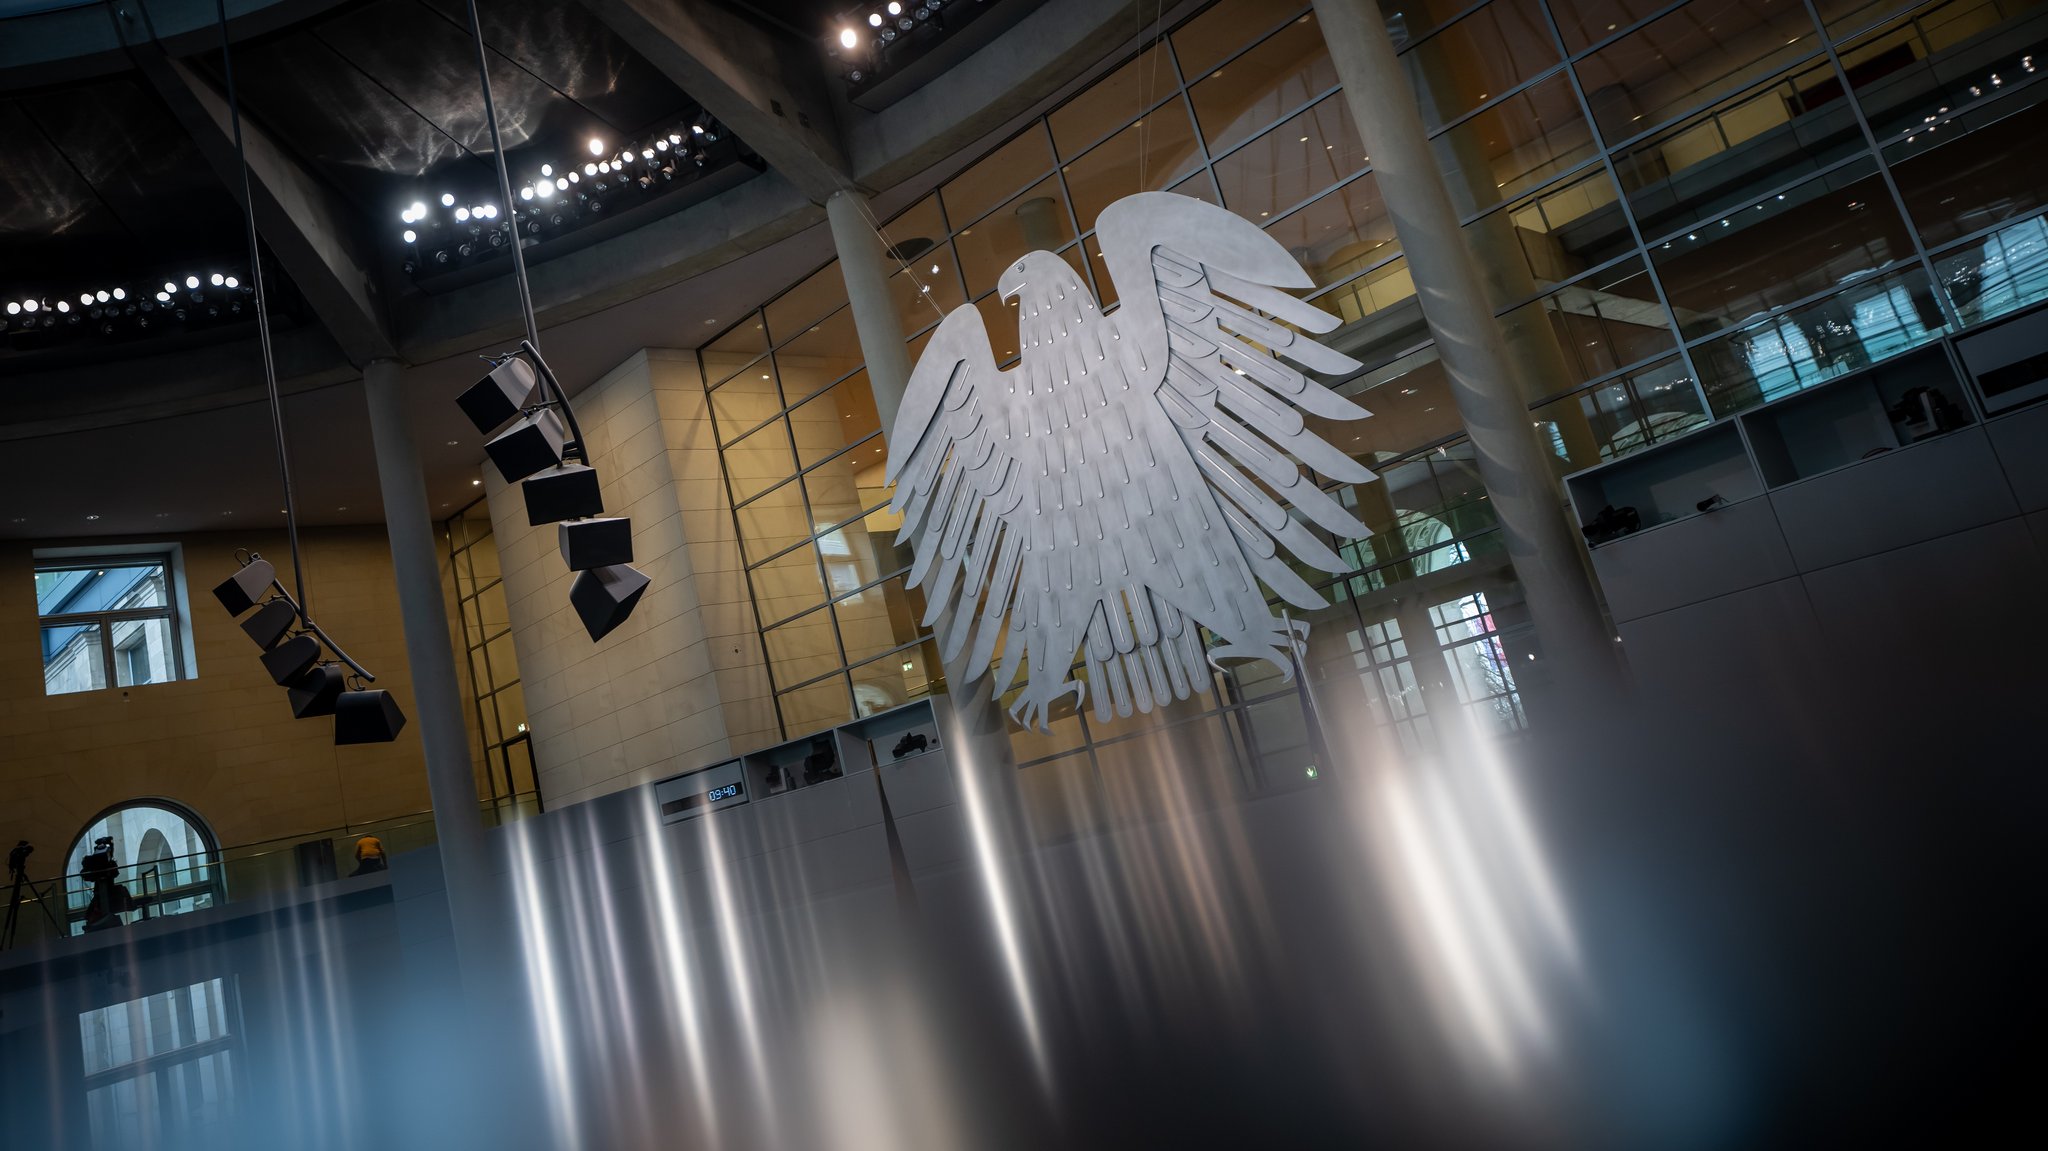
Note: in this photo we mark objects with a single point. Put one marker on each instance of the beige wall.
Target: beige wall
(224, 744)
(680, 684)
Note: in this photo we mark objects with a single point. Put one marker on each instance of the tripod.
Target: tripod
(21, 880)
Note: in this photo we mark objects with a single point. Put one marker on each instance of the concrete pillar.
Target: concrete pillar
(437, 694)
(976, 723)
(1514, 467)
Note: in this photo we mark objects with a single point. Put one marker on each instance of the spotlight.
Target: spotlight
(596, 543)
(13, 308)
(447, 199)
(547, 170)
(241, 591)
(192, 281)
(316, 692)
(874, 19)
(895, 9)
(848, 39)
(101, 295)
(419, 210)
(366, 717)
(232, 283)
(526, 193)
(120, 293)
(530, 445)
(697, 129)
(170, 286)
(604, 597)
(573, 178)
(270, 623)
(499, 396)
(63, 305)
(461, 214)
(411, 235)
(563, 492)
(30, 305)
(291, 659)
(596, 146)
(590, 169)
(217, 279)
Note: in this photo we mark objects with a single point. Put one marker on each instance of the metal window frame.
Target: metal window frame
(105, 620)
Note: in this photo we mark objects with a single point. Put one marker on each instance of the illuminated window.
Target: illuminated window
(163, 854)
(110, 621)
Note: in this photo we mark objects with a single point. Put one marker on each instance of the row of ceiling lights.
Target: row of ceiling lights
(552, 199)
(865, 47)
(107, 304)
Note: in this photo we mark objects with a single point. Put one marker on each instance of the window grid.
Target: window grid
(503, 752)
(1821, 53)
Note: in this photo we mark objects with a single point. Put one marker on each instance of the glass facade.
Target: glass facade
(501, 746)
(1679, 210)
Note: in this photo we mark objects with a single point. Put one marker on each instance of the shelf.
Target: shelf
(1666, 483)
(872, 741)
(1859, 416)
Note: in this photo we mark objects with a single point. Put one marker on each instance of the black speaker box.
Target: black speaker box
(270, 623)
(315, 692)
(600, 543)
(498, 396)
(291, 659)
(367, 717)
(528, 446)
(604, 597)
(244, 589)
(563, 492)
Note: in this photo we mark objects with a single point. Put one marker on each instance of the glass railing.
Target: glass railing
(178, 884)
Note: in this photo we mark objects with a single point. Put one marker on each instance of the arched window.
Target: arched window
(168, 859)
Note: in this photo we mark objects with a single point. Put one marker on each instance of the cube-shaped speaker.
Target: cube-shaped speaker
(242, 590)
(601, 543)
(367, 717)
(604, 597)
(498, 396)
(528, 446)
(270, 623)
(564, 492)
(315, 692)
(291, 659)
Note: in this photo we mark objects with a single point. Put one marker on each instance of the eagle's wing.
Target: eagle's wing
(1199, 291)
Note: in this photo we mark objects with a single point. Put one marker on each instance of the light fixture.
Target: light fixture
(461, 214)
(120, 293)
(596, 146)
(547, 170)
(231, 282)
(590, 169)
(447, 199)
(63, 305)
(411, 235)
(192, 281)
(169, 287)
(874, 19)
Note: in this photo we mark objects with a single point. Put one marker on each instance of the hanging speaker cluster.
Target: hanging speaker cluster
(542, 451)
(296, 654)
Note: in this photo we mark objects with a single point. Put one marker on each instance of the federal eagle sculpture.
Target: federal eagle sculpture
(1127, 483)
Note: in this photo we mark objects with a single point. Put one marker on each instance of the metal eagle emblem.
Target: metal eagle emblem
(1127, 483)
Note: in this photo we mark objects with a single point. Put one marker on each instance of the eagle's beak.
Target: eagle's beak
(1006, 293)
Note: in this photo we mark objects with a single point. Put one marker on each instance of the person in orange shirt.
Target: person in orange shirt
(369, 856)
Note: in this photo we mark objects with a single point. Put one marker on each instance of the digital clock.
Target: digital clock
(729, 791)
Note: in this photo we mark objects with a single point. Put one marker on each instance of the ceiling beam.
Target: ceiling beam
(302, 222)
(765, 85)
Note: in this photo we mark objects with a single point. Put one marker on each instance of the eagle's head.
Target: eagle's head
(1041, 274)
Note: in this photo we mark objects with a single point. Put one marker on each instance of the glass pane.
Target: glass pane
(1378, 309)
(843, 489)
(143, 652)
(1981, 168)
(1151, 154)
(1292, 162)
(1113, 101)
(787, 584)
(1410, 402)
(760, 461)
(743, 402)
(897, 678)
(800, 307)
(504, 661)
(1733, 153)
(879, 618)
(822, 353)
(927, 289)
(487, 714)
(519, 753)
(773, 522)
(802, 649)
(1478, 58)
(1235, 102)
(1690, 56)
(842, 416)
(1949, 60)
(72, 659)
(995, 177)
(1620, 416)
(2003, 272)
(739, 346)
(1515, 145)
(1854, 329)
(1821, 233)
(1587, 22)
(1035, 221)
(821, 705)
(483, 562)
(1340, 234)
(1586, 330)
(62, 591)
(491, 614)
(1211, 38)
(1549, 237)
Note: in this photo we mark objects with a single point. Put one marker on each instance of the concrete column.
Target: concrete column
(1514, 467)
(437, 694)
(976, 723)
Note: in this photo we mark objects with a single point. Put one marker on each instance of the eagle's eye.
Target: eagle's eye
(1020, 265)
